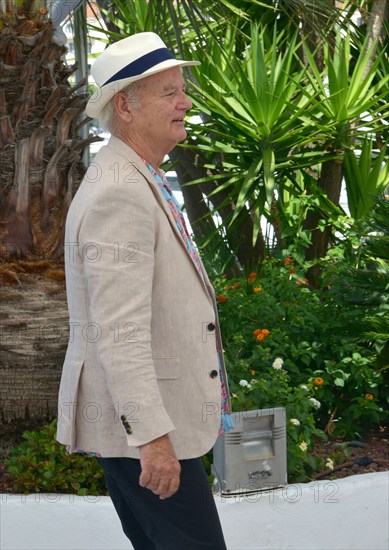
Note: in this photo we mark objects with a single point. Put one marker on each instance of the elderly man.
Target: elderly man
(143, 385)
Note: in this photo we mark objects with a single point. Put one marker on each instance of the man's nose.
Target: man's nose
(185, 102)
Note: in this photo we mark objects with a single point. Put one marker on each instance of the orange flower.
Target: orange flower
(303, 282)
(252, 277)
(222, 298)
(257, 289)
(253, 372)
(369, 396)
(228, 287)
(237, 285)
(318, 381)
(292, 271)
(288, 261)
(260, 334)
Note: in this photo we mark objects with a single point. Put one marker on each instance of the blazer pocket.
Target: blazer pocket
(167, 368)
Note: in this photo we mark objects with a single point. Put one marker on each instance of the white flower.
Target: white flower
(330, 463)
(244, 384)
(303, 446)
(304, 387)
(277, 363)
(315, 402)
(295, 421)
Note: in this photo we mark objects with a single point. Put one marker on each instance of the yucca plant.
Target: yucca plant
(256, 116)
(284, 127)
(41, 161)
(265, 138)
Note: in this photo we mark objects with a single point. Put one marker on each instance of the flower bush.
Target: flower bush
(293, 346)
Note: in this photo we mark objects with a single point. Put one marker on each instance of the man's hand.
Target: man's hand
(160, 467)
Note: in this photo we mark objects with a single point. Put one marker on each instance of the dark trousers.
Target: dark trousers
(186, 521)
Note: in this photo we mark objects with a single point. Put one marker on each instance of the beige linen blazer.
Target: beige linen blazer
(141, 360)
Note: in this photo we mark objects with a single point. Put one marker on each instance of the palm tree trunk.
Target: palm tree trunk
(41, 160)
(375, 28)
(34, 333)
(331, 182)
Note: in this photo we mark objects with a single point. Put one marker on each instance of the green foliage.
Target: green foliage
(41, 464)
(275, 314)
(365, 283)
(364, 176)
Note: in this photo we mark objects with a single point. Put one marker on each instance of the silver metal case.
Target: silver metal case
(251, 456)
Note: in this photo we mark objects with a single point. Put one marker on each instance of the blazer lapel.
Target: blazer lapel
(133, 157)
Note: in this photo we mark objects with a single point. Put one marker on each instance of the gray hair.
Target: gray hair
(108, 116)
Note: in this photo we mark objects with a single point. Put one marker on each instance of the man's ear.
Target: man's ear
(123, 107)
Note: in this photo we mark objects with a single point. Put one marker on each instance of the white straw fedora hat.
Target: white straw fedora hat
(126, 61)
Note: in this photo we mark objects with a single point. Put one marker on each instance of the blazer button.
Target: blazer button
(213, 373)
(211, 327)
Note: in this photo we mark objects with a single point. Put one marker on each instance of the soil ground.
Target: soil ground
(369, 454)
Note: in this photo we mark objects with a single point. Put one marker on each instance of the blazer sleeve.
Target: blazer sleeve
(117, 239)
